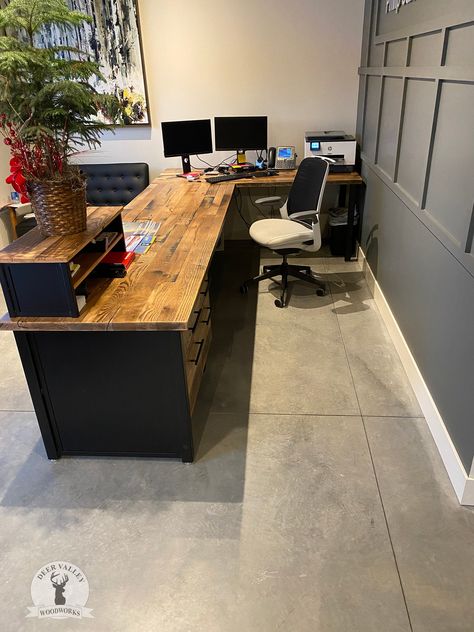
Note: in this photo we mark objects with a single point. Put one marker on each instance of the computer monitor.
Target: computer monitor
(185, 138)
(238, 133)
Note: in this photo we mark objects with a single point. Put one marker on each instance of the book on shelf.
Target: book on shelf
(81, 301)
(118, 258)
(74, 268)
(102, 241)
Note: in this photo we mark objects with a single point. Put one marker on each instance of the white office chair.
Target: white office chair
(297, 230)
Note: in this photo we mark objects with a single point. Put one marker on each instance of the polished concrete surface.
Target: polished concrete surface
(317, 501)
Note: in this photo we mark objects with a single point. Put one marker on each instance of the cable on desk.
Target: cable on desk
(224, 161)
(238, 201)
(204, 161)
(256, 205)
(260, 155)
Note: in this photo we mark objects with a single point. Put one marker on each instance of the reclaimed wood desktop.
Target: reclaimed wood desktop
(123, 377)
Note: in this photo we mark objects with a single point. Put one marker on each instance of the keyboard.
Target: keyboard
(240, 176)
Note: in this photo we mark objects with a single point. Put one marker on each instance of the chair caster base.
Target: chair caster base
(320, 292)
(279, 303)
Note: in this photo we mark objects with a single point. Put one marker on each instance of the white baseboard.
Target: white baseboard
(462, 482)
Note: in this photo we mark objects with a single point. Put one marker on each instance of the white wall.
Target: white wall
(295, 61)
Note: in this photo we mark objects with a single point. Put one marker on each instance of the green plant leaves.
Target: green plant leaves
(47, 92)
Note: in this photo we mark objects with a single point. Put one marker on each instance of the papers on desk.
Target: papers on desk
(140, 235)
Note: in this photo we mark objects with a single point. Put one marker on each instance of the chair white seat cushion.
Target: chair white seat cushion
(279, 233)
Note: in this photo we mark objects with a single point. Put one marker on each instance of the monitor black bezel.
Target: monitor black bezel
(191, 152)
(231, 146)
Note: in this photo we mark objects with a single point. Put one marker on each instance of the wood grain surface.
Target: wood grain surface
(161, 286)
(283, 178)
(34, 248)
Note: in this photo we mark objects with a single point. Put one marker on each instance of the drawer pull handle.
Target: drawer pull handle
(198, 313)
(206, 322)
(201, 345)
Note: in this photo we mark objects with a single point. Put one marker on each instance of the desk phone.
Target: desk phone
(283, 157)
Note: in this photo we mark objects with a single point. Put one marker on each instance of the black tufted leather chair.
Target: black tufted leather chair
(107, 185)
(115, 184)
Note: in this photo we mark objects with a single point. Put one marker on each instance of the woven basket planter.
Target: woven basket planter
(59, 207)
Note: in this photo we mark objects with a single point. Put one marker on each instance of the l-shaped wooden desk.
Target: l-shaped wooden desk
(122, 378)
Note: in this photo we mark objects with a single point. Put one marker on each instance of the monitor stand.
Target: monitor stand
(241, 160)
(241, 163)
(186, 163)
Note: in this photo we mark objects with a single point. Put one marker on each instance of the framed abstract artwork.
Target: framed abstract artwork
(113, 40)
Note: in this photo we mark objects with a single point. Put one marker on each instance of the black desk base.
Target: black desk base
(109, 393)
(350, 249)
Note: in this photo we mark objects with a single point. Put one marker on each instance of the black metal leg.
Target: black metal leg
(35, 378)
(303, 276)
(265, 275)
(342, 195)
(350, 223)
(306, 269)
(284, 287)
(304, 273)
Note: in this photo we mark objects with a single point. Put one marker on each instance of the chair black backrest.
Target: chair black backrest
(307, 185)
(115, 184)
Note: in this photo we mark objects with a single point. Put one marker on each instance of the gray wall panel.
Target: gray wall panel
(418, 12)
(371, 115)
(451, 182)
(389, 121)
(418, 223)
(426, 49)
(411, 170)
(460, 50)
(396, 53)
(376, 55)
(432, 298)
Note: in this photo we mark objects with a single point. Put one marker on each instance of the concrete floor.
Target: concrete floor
(317, 502)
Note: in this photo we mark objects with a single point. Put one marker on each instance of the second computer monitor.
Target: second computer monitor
(238, 133)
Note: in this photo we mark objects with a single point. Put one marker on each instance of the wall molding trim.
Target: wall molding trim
(427, 73)
(466, 259)
(459, 18)
(462, 483)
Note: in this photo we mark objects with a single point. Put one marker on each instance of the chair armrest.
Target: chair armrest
(268, 200)
(304, 214)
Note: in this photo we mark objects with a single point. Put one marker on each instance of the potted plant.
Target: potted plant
(49, 111)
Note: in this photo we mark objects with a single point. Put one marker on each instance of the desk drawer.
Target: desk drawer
(195, 342)
(195, 360)
(198, 326)
(203, 295)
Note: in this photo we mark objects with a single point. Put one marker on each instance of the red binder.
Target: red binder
(119, 258)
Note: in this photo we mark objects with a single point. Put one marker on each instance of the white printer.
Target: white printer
(338, 146)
